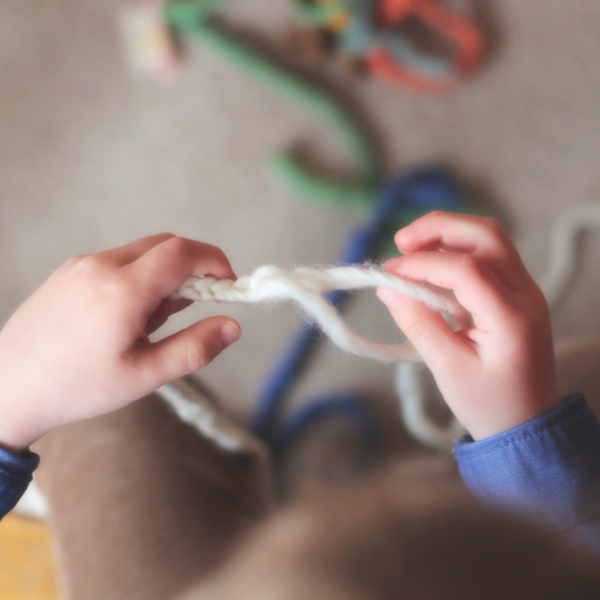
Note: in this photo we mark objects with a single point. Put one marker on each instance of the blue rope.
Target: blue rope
(346, 405)
(422, 189)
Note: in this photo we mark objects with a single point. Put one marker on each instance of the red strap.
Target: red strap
(467, 36)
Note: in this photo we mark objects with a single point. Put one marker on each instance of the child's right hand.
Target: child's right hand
(500, 373)
(78, 347)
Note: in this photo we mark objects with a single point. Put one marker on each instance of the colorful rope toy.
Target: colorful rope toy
(375, 32)
(152, 43)
(194, 18)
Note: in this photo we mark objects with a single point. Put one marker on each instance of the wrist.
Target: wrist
(13, 438)
(12, 444)
(512, 416)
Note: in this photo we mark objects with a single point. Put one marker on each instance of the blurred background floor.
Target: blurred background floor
(92, 157)
(27, 564)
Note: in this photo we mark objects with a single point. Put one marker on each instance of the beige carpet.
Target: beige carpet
(92, 156)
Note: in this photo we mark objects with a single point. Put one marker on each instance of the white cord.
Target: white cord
(306, 286)
(412, 382)
(563, 250)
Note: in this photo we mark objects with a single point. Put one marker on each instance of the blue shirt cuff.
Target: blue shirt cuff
(16, 471)
(547, 468)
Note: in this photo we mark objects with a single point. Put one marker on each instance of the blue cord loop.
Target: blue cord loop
(416, 191)
(349, 406)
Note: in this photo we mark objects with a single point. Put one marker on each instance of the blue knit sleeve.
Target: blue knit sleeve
(16, 471)
(548, 468)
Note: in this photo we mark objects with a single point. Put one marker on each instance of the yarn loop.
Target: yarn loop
(305, 285)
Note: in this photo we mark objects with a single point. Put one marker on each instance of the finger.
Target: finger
(186, 351)
(166, 266)
(475, 286)
(123, 255)
(482, 237)
(165, 309)
(426, 329)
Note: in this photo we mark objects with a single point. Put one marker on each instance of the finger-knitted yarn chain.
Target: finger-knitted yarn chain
(306, 285)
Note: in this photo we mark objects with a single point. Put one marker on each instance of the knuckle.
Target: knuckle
(218, 254)
(494, 227)
(162, 239)
(75, 260)
(178, 245)
(82, 263)
(436, 214)
(197, 356)
(415, 327)
(101, 274)
(432, 214)
(470, 265)
(96, 276)
(85, 265)
(114, 291)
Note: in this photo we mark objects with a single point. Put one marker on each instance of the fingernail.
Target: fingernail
(230, 333)
(387, 296)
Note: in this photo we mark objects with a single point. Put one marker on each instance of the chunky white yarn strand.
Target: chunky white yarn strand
(306, 285)
(563, 247)
(413, 383)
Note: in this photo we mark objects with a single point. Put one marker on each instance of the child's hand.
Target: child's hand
(501, 372)
(78, 347)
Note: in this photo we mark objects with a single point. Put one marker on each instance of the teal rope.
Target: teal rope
(311, 14)
(191, 18)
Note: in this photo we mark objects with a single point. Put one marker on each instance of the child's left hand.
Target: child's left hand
(500, 372)
(78, 347)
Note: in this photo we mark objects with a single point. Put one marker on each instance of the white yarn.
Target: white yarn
(567, 227)
(197, 413)
(196, 409)
(306, 285)
(411, 382)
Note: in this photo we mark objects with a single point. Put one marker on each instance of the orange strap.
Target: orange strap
(465, 34)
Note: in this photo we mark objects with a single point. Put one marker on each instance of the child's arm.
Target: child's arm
(78, 347)
(499, 373)
(533, 455)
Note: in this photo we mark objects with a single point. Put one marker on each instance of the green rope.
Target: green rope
(188, 14)
(327, 192)
(191, 18)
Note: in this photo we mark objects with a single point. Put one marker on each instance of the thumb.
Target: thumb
(187, 350)
(426, 328)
